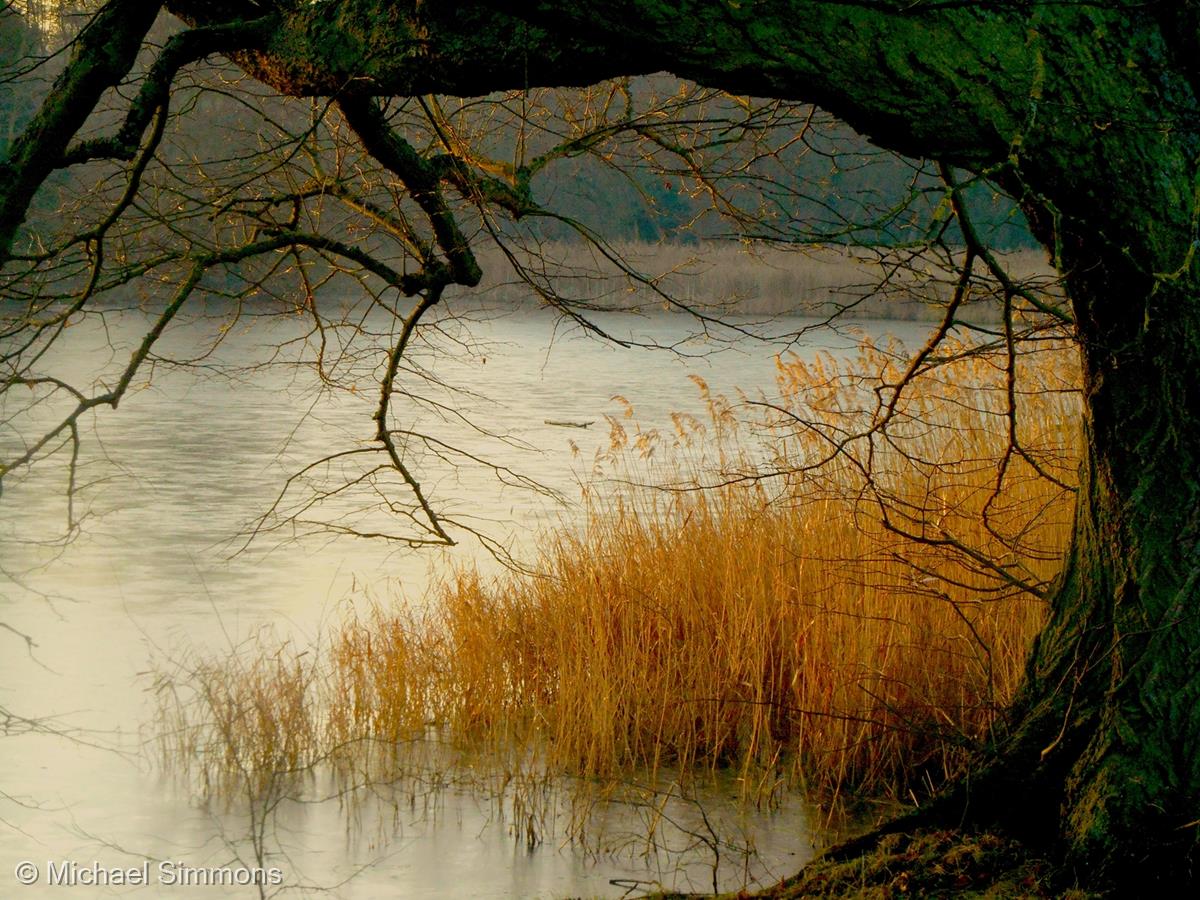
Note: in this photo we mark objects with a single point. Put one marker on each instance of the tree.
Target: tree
(1086, 113)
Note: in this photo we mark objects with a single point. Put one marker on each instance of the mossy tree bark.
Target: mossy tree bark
(1100, 754)
(1088, 115)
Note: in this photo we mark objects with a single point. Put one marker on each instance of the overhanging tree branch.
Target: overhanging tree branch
(102, 56)
(154, 94)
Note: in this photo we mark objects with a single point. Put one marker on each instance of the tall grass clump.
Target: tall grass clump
(833, 586)
(242, 723)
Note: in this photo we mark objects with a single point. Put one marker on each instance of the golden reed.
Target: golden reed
(846, 607)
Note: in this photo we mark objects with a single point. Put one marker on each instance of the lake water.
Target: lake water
(192, 457)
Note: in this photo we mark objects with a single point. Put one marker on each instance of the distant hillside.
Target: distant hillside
(844, 192)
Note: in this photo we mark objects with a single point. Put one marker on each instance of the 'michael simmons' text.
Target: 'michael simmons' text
(168, 872)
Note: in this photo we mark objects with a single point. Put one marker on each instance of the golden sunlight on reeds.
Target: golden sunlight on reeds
(846, 607)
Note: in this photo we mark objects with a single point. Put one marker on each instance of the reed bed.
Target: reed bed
(739, 598)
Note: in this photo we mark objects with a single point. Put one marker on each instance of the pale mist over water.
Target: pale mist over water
(181, 470)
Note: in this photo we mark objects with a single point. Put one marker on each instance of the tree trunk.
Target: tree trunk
(1101, 750)
(1114, 682)
(1097, 762)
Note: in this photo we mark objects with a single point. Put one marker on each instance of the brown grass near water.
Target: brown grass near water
(836, 621)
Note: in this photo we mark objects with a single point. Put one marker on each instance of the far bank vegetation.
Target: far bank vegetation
(728, 277)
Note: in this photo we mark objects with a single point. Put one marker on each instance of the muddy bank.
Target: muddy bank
(927, 864)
